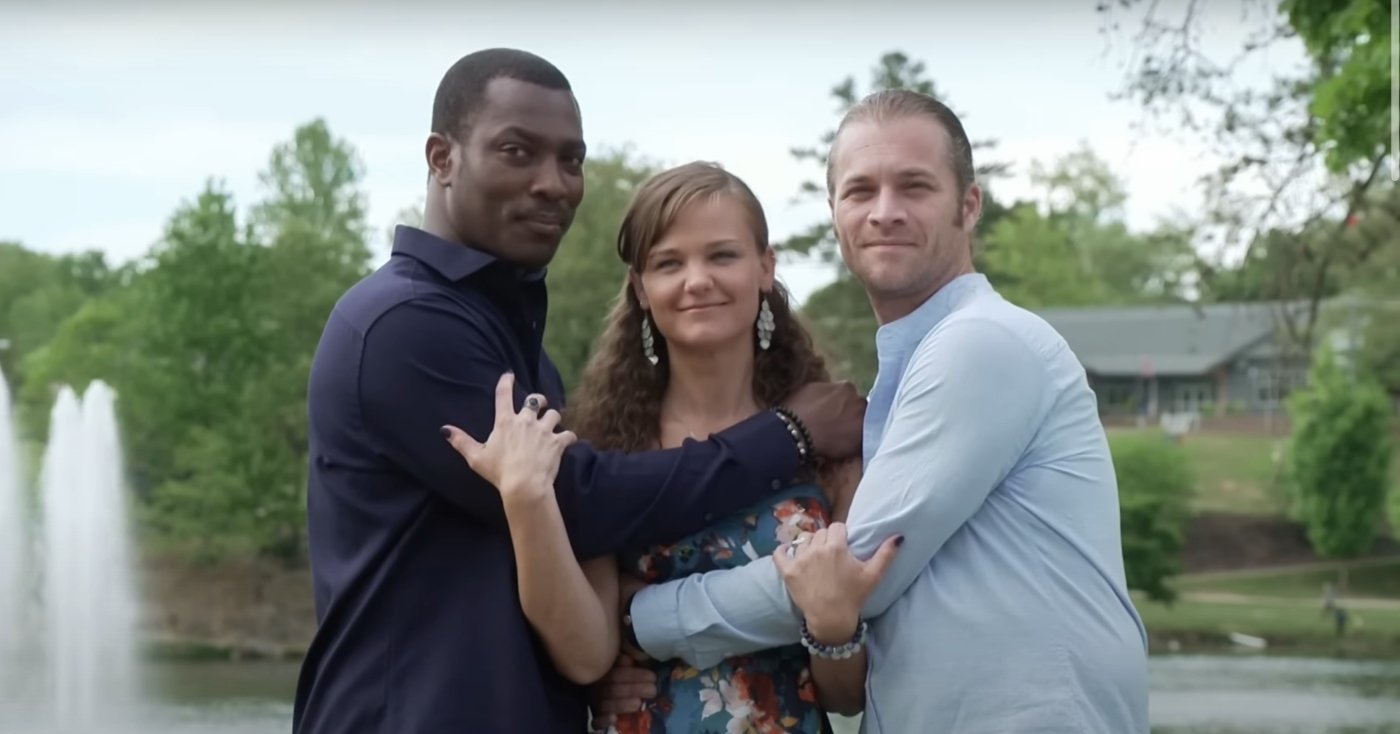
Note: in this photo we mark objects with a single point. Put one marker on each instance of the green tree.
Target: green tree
(1339, 457)
(1037, 263)
(839, 315)
(101, 341)
(239, 484)
(1370, 287)
(39, 291)
(1154, 494)
(1085, 198)
(1075, 249)
(586, 275)
(1301, 154)
(209, 345)
(1350, 96)
(169, 342)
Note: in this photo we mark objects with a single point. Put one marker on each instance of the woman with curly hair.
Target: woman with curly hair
(701, 337)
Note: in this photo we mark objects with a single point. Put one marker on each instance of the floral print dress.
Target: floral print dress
(767, 692)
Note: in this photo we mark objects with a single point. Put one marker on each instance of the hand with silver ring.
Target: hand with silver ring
(829, 583)
(521, 455)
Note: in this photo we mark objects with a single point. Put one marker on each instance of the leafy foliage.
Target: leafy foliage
(1340, 457)
(1301, 155)
(1154, 494)
(587, 275)
(1347, 40)
(209, 347)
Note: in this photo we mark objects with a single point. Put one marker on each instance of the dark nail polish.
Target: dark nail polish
(445, 433)
(899, 541)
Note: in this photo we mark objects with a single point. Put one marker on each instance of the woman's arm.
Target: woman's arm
(573, 609)
(829, 585)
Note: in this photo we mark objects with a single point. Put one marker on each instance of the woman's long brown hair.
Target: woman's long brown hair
(617, 405)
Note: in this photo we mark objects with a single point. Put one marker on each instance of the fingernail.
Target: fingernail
(899, 541)
(445, 433)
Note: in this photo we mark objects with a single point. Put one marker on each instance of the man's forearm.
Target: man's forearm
(690, 618)
(612, 501)
(841, 683)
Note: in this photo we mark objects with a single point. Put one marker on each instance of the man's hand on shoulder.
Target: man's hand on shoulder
(834, 415)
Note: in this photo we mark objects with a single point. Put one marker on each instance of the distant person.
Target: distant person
(421, 627)
(1330, 606)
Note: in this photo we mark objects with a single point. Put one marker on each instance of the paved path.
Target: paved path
(1296, 568)
(1347, 602)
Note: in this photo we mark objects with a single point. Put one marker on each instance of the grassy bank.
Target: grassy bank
(1284, 607)
(1239, 472)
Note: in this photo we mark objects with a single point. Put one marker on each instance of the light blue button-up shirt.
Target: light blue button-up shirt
(1006, 608)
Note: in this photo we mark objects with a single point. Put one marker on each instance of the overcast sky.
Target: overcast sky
(111, 117)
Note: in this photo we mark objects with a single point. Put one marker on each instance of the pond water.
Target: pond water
(1190, 695)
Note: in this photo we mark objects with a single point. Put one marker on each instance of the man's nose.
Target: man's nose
(549, 181)
(888, 210)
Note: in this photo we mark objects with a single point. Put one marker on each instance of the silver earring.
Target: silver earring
(765, 324)
(648, 344)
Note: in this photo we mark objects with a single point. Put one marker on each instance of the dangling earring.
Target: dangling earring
(765, 324)
(648, 344)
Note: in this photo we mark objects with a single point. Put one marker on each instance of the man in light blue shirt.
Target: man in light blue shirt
(1006, 609)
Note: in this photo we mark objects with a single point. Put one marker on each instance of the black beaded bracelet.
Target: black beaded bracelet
(799, 434)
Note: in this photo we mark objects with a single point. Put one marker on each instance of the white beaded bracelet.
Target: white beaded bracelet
(837, 652)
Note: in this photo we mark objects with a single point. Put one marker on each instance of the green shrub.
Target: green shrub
(1339, 458)
(1154, 495)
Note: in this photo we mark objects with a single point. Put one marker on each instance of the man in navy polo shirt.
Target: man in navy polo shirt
(420, 628)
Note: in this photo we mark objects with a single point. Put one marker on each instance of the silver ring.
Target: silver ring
(792, 547)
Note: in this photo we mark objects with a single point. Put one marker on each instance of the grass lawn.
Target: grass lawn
(1285, 608)
(1293, 627)
(1380, 580)
(1235, 472)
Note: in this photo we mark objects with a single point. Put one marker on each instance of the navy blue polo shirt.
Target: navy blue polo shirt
(419, 623)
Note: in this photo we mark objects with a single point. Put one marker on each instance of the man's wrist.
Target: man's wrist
(830, 630)
(629, 631)
(849, 648)
(798, 431)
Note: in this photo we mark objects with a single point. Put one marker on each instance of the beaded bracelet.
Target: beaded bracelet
(836, 652)
(798, 431)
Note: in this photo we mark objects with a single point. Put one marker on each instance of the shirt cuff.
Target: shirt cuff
(656, 620)
(763, 441)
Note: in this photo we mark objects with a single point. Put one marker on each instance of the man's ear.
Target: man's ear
(972, 207)
(441, 161)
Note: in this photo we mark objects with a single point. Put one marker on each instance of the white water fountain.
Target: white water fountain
(77, 671)
(15, 588)
(89, 605)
